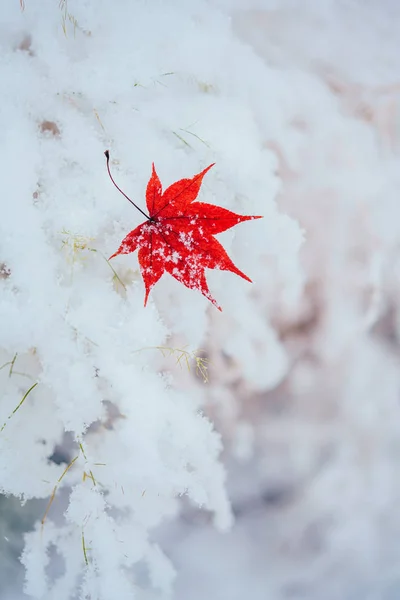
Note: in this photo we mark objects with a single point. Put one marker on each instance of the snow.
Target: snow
(297, 105)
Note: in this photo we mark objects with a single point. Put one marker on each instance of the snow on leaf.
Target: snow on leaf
(177, 236)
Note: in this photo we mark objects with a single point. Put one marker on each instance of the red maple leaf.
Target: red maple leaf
(178, 234)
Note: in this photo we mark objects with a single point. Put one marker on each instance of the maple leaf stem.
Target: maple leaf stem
(107, 155)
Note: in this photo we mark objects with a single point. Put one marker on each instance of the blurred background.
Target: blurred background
(313, 462)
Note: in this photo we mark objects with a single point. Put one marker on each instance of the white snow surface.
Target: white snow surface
(297, 104)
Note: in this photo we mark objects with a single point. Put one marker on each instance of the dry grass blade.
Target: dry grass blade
(196, 136)
(53, 493)
(187, 356)
(11, 371)
(182, 139)
(89, 476)
(84, 549)
(76, 243)
(19, 405)
(67, 468)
